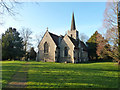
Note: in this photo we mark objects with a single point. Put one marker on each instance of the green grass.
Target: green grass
(9, 68)
(60, 75)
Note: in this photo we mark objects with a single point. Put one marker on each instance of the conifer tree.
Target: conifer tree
(91, 43)
(12, 44)
(97, 46)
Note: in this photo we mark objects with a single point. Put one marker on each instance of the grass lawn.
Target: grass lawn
(60, 75)
(9, 68)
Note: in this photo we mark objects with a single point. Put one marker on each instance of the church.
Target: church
(68, 48)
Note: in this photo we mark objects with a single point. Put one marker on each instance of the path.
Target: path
(19, 79)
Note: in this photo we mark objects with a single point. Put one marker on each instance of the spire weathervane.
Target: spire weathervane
(47, 28)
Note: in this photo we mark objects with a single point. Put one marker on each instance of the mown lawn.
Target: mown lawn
(60, 75)
(9, 68)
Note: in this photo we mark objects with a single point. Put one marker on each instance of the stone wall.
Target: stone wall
(50, 57)
(66, 43)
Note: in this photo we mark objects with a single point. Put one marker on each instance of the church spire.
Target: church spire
(73, 23)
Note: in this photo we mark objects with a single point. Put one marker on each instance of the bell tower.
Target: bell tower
(73, 32)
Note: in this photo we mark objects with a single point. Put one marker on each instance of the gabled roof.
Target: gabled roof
(83, 45)
(55, 38)
(74, 42)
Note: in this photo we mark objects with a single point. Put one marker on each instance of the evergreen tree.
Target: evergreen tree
(102, 46)
(96, 47)
(12, 44)
(91, 43)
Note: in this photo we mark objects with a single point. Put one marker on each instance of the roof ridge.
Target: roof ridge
(54, 34)
(71, 37)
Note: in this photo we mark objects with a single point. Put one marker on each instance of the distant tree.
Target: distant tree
(12, 44)
(83, 37)
(38, 38)
(32, 54)
(26, 35)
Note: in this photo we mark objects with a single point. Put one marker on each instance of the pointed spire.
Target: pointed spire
(73, 23)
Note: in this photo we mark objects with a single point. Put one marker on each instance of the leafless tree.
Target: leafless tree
(110, 23)
(8, 7)
(83, 37)
(39, 37)
(0, 49)
(26, 35)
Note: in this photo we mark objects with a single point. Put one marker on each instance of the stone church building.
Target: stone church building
(68, 48)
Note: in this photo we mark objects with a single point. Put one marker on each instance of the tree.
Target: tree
(119, 30)
(102, 45)
(26, 35)
(12, 44)
(32, 54)
(92, 44)
(83, 37)
(96, 47)
(112, 37)
(0, 48)
(38, 38)
(8, 7)
(111, 25)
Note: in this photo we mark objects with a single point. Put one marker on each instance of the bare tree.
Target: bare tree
(39, 37)
(83, 37)
(110, 14)
(111, 24)
(26, 35)
(8, 7)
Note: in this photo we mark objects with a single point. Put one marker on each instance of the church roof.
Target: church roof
(83, 46)
(74, 42)
(55, 38)
(73, 23)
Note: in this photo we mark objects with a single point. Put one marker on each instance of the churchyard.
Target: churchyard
(22, 74)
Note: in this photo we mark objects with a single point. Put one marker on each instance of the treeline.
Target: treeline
(107, 47)
(14, 46)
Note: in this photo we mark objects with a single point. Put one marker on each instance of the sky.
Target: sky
(57, 17)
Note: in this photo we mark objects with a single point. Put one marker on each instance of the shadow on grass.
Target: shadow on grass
(61, 80)
(72, 76)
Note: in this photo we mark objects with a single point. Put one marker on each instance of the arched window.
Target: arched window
(46, 47)
(65, 51)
